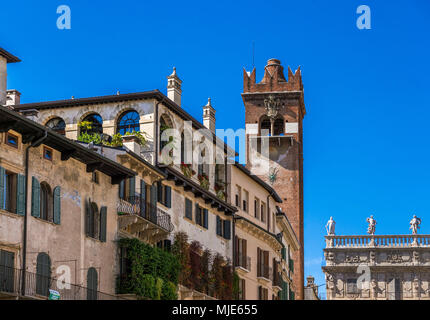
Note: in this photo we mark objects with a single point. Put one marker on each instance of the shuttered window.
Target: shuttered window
(218, 226)
(153, 206)
(2, 188)
(168, 196)
(227, 229)
(92, 284)
(198, 214)
(132, 187)
(57, 205)
(43, 274)
(7, 273)
(103, 223)
(188, 209)
(143, 197)
(205, 218)
(20, 197)
(35, 198)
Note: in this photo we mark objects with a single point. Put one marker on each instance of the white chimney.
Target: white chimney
(174, 90)
(5, 58)
(209, 116)
(13, 97)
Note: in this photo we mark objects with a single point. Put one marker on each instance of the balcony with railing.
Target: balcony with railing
(143, 220)
(277, 280)
(263, 273)
(39, 287)
(243, 263)
(381, 241)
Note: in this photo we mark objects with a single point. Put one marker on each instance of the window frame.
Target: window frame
(14, 136)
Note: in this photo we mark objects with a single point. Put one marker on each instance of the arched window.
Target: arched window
(46, 202)
(43, 274)
(278, 127)
(92, 284)
(95, 124)
(128, 122)
(265, 126)
(58, 125)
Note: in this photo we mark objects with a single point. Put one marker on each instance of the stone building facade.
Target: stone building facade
(153, 198)
(377, 267)
(274, 112)
(264, 239)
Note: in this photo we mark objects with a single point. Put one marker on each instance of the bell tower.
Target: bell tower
(274, 111)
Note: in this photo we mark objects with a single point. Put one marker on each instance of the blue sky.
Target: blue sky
(366, 91)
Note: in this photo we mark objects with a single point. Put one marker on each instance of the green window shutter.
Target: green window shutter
(20, 197)
(87, 217)
(218, 226)
(168, 196)
(2, 187)
(153, 199)
(188, 209)
(159, 192)
(35, 198)
(92, 284)
(227, 229)
(132, 185)
(122, 189)
(103, 223)
(142, 197)
(57, 205)
(205, 218)
(198, 214)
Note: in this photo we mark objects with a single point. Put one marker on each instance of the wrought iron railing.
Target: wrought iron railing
(39, 286)
(136, 205)
(264, 271)
(243, 261)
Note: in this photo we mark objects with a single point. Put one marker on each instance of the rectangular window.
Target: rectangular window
(263, 212)
(7, 274)
(10, 191)
(188, 209)
(263, 293)
(47, 153)
(245, 200)
(238, 196)
(257, 208)
(164, 195)
(11, 140)
(351, 286)
(95, 177)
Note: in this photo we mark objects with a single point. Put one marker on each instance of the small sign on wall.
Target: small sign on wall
(252, 128)
(291, 127)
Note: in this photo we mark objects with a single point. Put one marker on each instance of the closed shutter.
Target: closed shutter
(205, 218)
(245, 254)
(57, 205)
(143, 198)
(132, 188)
(20, 196)
(7, 271)
(103, 223)
(122, 189)
(168, 196)
(88, 218)
(35, 198)
(153, 200)
(92, 284)
(227, 229)
(2, 187)
(218, 226)
(258, 262)
(266, 264)
(198, 214)
(43, 274)
(159, 192)
(188, 209)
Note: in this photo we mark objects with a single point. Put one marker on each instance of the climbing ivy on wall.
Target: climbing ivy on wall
(152, 272)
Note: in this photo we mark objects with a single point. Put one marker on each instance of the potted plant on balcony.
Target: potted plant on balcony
(204, 181)
(187, 169)
(220, 189)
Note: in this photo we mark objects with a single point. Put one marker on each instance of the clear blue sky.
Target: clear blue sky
(366, 91)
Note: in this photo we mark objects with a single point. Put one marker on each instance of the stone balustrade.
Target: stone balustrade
(382, 241)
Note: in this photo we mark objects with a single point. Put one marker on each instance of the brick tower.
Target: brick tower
(274, 110)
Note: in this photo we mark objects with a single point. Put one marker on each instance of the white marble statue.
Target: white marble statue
(372, 224)
(415, 224)
(330, 227)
